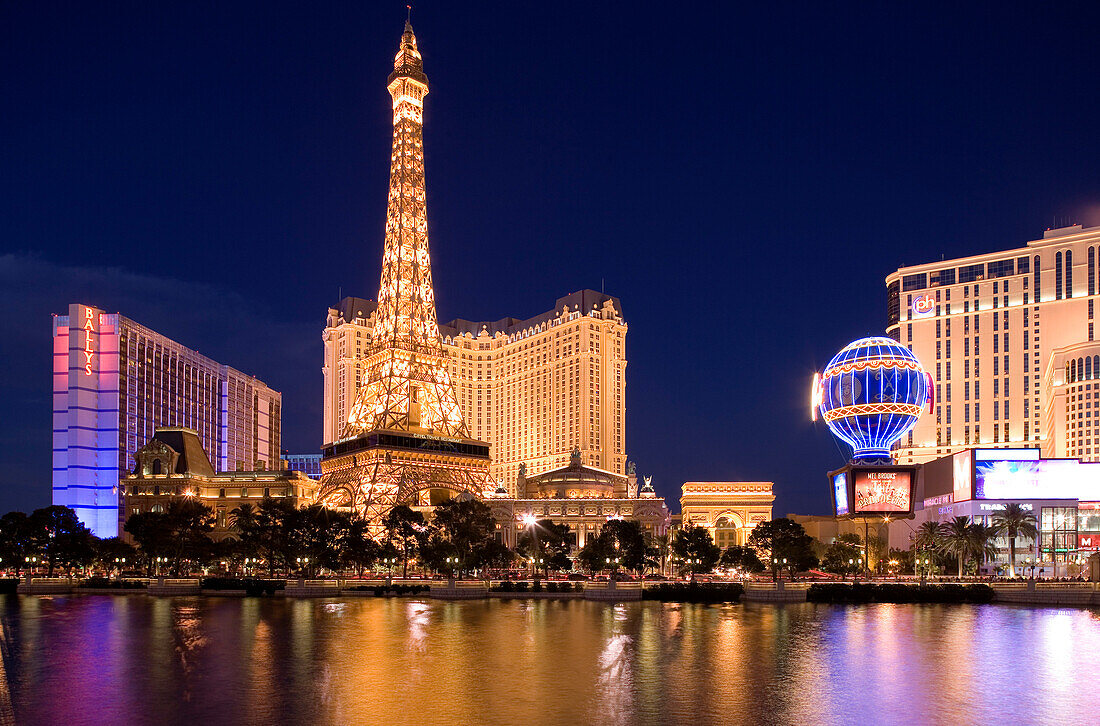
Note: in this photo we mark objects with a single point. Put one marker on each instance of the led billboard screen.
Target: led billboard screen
(882, 491)
(840, 493)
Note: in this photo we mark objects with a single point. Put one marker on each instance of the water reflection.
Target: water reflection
(366, 660)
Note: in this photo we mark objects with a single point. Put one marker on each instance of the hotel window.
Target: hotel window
(971, 273)
(1092, 270)
(1058, 276)
(1069, 273)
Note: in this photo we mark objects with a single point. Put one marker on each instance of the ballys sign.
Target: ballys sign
(89, 329)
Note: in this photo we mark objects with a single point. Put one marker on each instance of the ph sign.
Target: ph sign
(923, 306)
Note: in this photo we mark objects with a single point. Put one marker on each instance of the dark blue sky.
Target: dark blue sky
(741, 176)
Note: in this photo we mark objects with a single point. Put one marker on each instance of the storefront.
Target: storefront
(1063, 495)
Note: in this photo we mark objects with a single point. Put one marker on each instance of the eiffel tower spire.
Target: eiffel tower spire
(405, 441)
(407, 385)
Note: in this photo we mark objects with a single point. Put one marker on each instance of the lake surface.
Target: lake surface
(202, 661)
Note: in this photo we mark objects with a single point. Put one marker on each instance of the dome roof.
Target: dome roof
(576, 481)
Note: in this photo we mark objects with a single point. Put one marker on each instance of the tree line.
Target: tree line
(274, 537)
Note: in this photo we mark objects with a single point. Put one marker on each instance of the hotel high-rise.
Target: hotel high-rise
(533, 389)
(1009, 338)
(115, 381)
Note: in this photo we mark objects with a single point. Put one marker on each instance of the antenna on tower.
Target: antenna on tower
(408, 13)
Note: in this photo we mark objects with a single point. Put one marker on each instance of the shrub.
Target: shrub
(537, 587)
(105, 583)
(694, 592)
(899, 593)
(522, 586)
(8, 585)
(251, 586)
(578, 586)
(380, 590)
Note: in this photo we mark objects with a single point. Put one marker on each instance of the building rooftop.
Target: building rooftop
(582, 301)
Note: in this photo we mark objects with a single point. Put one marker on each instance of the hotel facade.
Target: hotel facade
(533, 389)
(1009, 340)
(115, 381)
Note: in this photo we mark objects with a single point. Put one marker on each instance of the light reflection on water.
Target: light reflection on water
(365, 660)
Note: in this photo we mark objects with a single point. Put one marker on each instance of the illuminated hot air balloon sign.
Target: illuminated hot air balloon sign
(870, 395)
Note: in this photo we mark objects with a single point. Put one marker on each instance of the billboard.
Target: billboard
(840, 493)
(882, 490)
(1037, 479)
(962, 487)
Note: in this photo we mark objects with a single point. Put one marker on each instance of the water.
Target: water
(203, 661)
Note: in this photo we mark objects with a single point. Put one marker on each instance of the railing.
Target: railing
(456, 584)
(618, 585)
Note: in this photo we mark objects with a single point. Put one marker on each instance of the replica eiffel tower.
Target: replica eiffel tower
(405, 441)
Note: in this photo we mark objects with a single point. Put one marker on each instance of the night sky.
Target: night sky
(741, 176)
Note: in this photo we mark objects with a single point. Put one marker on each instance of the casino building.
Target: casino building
(533, 389)
(579, 496)
(173, 465)
(115, 381)
(1010, 340)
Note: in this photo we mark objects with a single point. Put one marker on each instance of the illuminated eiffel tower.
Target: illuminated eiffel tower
(405, 441)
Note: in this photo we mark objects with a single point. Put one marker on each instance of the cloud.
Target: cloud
(250, 335)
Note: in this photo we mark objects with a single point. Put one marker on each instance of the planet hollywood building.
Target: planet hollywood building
(115, 381)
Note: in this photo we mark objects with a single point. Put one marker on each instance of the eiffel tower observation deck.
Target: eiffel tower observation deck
(405, 441)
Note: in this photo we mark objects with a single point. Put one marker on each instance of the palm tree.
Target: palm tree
(928, 537)
(1014, 521)
(983, 542)
(957, 539)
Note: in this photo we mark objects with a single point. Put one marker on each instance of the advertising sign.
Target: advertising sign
(840, 493)
(1088, 541)
(961, 468)
(882, 490)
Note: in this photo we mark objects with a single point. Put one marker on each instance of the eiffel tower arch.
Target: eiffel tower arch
(405, 441)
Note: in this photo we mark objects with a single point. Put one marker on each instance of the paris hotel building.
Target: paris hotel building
(532, 388)
(1010, 340)
(116, 381)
